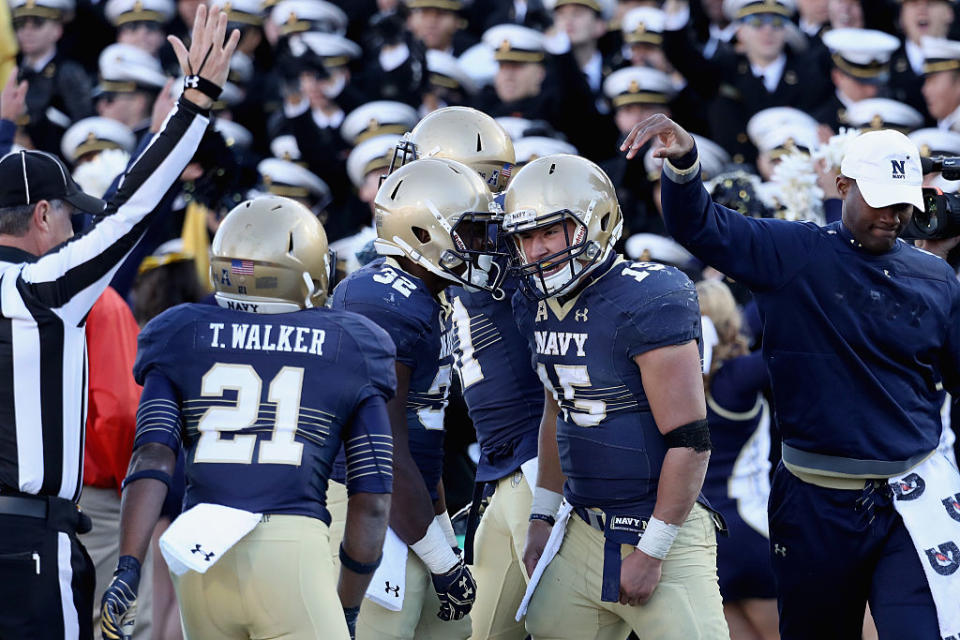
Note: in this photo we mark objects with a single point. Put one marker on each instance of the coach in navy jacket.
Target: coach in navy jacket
(861, 332)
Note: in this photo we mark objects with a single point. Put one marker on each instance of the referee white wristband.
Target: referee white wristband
(657, 538)
(434, 550)
(443, 519)
(545, 502)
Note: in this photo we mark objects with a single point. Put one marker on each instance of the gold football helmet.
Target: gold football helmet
(556, 189)
(439, 214)
(270, 255)
(465, 135)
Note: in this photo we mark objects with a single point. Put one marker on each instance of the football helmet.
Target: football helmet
(556, 189)
(270, 252)
(465, 135)
(440, 214)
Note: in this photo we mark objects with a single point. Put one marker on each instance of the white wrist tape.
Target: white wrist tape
(434, 550)
(657, 538)
(446, 524)
(545, 502)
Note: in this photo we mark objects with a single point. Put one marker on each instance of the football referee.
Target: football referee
(49, 280)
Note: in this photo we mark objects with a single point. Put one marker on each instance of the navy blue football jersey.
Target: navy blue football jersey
(403, 306)
(610, 448)
(504, 396)
(264, 401)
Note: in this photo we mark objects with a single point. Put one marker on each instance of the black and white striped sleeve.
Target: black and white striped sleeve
(70, 278)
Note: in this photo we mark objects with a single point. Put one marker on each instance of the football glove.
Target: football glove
(457, 590)
(351, 613)
(118, 608)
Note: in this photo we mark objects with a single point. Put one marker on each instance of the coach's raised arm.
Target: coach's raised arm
(861, 338)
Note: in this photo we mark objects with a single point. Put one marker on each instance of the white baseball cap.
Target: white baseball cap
(886, 166)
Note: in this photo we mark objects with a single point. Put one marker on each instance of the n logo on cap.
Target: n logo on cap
(899, 170)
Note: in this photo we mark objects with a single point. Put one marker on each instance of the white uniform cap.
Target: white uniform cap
(290, 180)
(297, 16)
(513, 43)
(515, 127)
(886, 166)
(938, 142)
(377, 118)
(862, 53)
(643, 85)
(125, 68)
(939, 54)
(738, 9)
(335, 50)
(242, 11)
(769, 119)
(479, 64)
(241, 69)
(446, 5)
(788, 138)
(49, 9)
(447, 72)
(883, 113)
(234, 134)
(120, 12)
(713, 159)
(643, 24)
(285, 147)
(533, 147)
(95, 134)
(373, 154)
(651, 246)
(603, 7)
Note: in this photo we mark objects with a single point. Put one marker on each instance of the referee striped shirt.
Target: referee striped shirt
(44, 303)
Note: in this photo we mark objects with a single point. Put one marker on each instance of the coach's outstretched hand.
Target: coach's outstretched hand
(118, 608)
(209, 54)
(674, 141)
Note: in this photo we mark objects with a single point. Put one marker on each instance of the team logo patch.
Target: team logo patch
(909, 488)
(945, 559)
(627, 523)
(952, 505)
(898, 169)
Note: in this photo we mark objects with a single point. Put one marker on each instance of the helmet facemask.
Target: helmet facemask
(476, 244)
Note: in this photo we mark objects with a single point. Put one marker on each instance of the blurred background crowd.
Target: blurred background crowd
(320, 92)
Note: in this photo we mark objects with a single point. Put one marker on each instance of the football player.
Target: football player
(624, 434)
(260, 391)
(426, 224)
(501, 390)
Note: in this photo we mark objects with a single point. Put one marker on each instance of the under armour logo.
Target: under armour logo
(952, 505)
(467, 591)
(899, 170)
(945, 558)
(191, 82)
(581, 315)
(780, 550)
(395, 590)
(206, 556)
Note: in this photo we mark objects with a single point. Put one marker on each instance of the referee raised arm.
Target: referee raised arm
(49, 280)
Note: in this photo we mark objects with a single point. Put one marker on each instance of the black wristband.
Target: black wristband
(154, 474)
(686, 160)
(550, 520)
(202, 85)
(362, 568)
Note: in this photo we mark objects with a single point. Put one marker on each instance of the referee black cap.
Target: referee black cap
(27, 177)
